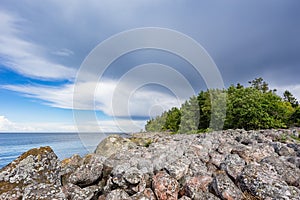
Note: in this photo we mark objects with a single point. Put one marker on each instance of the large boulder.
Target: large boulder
(112, 145)
(38, 165)
(165, 187)
(263, 181)
(89, 172)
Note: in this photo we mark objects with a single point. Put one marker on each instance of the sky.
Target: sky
(43, 46)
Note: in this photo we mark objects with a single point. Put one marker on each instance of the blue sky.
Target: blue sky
(43, 44)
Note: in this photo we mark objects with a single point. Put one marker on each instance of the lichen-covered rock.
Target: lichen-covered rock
(112, 145)
(228, 164)
(72, 191)
(165, 187)
(68, 166)
(179, 168)
(43, 191)
(147, 194)
(117, 195)
(89, 172)
(39, 165)
(233, 165)
(224, 188)
(286, 170)
(195, 186)
(263, 181)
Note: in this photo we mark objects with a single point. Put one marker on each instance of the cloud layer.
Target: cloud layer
(25, 57)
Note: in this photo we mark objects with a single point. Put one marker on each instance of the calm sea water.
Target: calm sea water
(64, 145)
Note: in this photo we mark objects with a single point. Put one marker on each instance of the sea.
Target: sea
(12, 145)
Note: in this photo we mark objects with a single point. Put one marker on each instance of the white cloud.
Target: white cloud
(140, 102)
(294, 89)
(124, 125)
(8, 126)
(63, 52)
(24, 56)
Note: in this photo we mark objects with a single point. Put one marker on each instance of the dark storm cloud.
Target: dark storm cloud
(246, 39)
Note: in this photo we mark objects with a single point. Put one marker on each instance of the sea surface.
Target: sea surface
(64, 145)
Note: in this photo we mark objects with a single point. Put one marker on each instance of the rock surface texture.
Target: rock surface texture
(231, 164)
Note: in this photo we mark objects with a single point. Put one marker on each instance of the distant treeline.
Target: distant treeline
(252, 107)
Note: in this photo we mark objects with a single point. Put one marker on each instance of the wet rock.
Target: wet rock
(39, 165)
(89, 172)
(224, 188)
(165, 187)
(262, 180)
(112, 145)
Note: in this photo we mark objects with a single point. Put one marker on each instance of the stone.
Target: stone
(38, 165)
(286, 151)
(117, 195)
(165, 187)
(224, 188)
(147, 194)
(43, 191)
(286, 170)
(195, 186)
(112, 145)
(179, 168)
(89, 172)
(233, 165)
(72, 191)
(262, 181)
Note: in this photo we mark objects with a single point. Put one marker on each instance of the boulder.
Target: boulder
(89, 172)
(112, 145)
(165, 187)
(263, 181)
(38, 165)
(224, 188)
(196, 186)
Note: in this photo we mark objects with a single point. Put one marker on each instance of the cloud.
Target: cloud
(107, 126)
(294, 89)
(8, 126)
(141, 103)
(25, 57)
(63, 52)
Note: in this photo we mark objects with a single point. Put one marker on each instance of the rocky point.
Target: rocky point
(231, 164)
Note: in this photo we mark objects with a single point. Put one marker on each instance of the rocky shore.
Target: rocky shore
(231, 164)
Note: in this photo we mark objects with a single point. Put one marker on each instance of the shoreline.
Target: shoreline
(198, 166)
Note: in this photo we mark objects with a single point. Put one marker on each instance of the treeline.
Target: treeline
(252, 107)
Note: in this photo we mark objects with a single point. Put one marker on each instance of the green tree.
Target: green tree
(189, 116)
(295, 117)
(288, 97)
(260, 84)
(173, 120)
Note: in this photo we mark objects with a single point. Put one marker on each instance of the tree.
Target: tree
(288, 97)
(189, 116)
(295, 117)
(259, 84)
(173, 120)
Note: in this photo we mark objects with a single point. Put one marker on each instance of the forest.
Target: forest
(237, 107)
